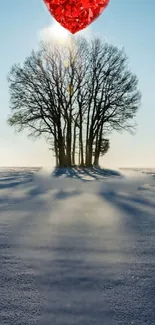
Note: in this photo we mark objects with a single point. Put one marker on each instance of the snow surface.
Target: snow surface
(77, 247)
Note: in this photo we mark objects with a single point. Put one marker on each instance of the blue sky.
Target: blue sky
(128, 24)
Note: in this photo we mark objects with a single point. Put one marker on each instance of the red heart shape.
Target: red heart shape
(75, 15)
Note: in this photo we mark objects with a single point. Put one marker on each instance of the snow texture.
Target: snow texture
(77, 247)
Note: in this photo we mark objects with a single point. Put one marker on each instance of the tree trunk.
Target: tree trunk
(56, 146)
(98, 146)
(69, 139)
(87, 138)
(96, 161)
(74, 145)
(56, 153)
(69, 136)
(89, 159)
(62, 156)
(81, 140)
(96, 158)
(79, 157)
(96, 152)
(89, 153)
(81, 150)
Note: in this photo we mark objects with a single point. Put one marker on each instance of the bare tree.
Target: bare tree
(100, 149)
(72, 95)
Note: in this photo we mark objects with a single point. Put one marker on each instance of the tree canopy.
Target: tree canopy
(74, 95)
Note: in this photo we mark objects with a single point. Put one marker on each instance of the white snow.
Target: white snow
(77, 247)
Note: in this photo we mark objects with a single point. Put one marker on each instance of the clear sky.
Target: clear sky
(128, 24)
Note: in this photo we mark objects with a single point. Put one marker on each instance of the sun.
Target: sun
(59, 31)
(55, 32)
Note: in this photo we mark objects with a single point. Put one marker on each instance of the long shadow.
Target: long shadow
(75, 286)
(68, 172)
(14, 184)
(20, 300)
(13, 179)
(90, 172)
(133, 208)
(140, 224)
(65, 195)
(9, 183)
(107, 172)
(142, 201)
(98, 172)
(93, 172)
(78, 287)
(80, 290)
(30, 189)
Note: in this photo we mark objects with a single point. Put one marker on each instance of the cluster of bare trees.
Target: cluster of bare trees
(74, 95)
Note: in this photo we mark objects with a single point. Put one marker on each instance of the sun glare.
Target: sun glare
(56, 32)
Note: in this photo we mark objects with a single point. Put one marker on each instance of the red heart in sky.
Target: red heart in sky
(75, 15)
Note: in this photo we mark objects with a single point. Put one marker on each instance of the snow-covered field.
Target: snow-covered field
(77, 247)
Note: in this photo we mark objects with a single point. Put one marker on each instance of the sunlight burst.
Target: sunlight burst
(55, 32)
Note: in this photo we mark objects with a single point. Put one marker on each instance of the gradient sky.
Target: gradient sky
(125, 23)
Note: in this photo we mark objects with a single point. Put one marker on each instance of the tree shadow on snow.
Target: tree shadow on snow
(75, 288)
(80, 172)
(139, 226)
(78, 288)
(139, 213)
(24, 182)
(19, 189)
